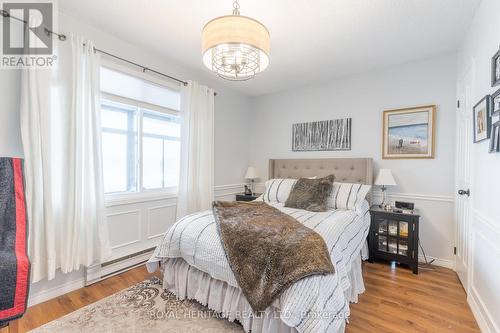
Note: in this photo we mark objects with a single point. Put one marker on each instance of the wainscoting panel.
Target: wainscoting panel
(138, 224)
(129, 223)
(152, 217)
(484, 294)
(159, 219)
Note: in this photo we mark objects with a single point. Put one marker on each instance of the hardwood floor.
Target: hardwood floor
(395, 301)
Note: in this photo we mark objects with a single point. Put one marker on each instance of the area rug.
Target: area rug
(145, 307)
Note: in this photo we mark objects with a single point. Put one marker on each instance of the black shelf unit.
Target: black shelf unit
(394, 237)
(246, 197)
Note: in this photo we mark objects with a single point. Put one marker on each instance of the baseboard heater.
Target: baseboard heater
(99, 272)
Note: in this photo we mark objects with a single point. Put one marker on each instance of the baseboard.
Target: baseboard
(79, 282)
(446, 263)
(100, 272)
(50, 293)
(482, 315)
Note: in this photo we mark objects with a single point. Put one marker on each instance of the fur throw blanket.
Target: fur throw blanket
(268, 250)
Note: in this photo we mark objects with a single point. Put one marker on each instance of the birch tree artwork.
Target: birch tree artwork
(322, 135)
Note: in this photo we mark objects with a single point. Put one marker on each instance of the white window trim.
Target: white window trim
(143, 194)
(144, 75)
(138, 104)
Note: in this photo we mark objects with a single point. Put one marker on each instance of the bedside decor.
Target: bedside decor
(481, 119)
(384, 179)
(409, 133)
(252, 175)
(327, 135)
(495, 69)
(394, 237)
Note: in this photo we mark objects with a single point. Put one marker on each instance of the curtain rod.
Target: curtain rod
(62, 38)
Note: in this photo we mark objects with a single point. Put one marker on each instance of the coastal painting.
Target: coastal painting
(409, 133)
(326, 135)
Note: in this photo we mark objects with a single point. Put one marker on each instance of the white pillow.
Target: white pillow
(277, 190)
(348, 196)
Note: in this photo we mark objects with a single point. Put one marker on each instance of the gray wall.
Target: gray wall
(363, 98)
(428, 182)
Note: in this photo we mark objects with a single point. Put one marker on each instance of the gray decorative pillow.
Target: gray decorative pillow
(311, 194)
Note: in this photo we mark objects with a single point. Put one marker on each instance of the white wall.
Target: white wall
(139, 225)
(480, 44)
(427, 182)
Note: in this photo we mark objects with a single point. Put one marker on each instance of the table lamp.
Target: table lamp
(384, 178)
(252, 175)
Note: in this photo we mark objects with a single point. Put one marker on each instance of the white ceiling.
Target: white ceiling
(311, 41)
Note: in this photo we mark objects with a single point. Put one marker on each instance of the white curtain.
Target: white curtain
(196, 185)
(61, 134)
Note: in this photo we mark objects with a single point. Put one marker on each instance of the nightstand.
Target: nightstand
(394, 237)
(243, 197)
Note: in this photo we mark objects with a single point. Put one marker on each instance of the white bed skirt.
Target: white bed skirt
(187, 282)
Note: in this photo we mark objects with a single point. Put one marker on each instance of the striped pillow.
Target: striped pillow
(348, 195)
(277, 190)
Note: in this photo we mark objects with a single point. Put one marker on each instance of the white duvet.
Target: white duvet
(313, 304)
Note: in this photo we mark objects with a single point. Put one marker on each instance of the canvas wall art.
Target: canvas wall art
(409, 133)
(322, 135)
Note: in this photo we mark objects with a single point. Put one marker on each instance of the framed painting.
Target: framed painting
(495, 69)
(481, 118)
(409, 132)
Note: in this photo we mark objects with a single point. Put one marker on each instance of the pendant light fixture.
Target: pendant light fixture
(235, 47)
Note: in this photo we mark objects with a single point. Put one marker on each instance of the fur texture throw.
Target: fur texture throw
(311, 194)
(268, 250)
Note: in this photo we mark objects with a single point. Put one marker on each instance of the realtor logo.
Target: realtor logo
(26, 37)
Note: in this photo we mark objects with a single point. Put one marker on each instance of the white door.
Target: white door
(462, 175)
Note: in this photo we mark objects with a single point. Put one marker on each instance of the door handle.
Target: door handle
(464, 192)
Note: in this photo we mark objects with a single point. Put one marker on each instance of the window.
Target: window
(140, 134)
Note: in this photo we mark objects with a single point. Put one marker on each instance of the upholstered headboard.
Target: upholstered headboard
(348, 170)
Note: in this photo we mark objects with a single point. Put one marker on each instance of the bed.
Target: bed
(194, 264)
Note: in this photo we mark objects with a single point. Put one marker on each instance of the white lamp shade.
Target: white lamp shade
(235, 47)
(251, 174)
(385, 178)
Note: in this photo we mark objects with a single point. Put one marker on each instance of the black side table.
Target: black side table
(243, 197)
(394, 236)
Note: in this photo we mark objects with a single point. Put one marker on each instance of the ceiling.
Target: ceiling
(311, 41)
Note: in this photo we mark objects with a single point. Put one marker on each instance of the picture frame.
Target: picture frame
(495, 133)
(481, 119)
(495, 139)
(409, 133)
(495, 69)
(495, 101)
(325, 135)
